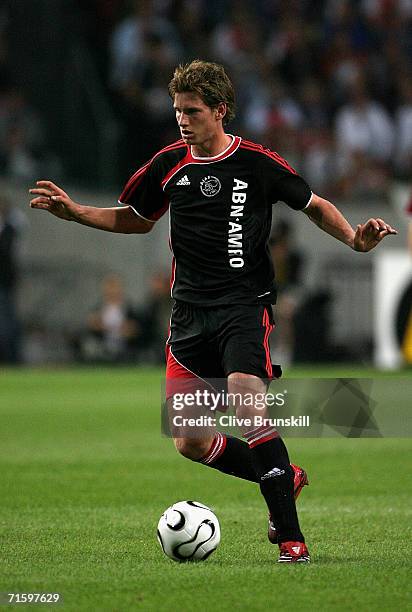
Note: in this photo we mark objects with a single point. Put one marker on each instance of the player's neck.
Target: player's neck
(213, 146)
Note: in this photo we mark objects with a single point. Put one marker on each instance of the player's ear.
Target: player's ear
(220, 111)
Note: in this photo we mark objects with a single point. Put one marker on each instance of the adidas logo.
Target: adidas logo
(183, 181)
(273, 473)
(296, 549)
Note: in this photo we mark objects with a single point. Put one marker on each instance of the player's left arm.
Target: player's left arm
(366, 236)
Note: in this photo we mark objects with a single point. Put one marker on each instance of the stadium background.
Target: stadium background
(83, 101)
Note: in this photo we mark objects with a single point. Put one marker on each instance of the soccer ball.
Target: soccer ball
(188, 531)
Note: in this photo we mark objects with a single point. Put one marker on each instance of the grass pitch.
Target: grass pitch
(85, 476)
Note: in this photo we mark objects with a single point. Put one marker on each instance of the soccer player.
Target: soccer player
(219, 190)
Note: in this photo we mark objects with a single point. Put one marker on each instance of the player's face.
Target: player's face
(198, 123)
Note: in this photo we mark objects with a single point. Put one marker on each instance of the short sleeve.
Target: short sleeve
(294, 191)
(143, 192)
(282, 182)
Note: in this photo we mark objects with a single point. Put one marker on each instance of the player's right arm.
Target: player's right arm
(120, 219)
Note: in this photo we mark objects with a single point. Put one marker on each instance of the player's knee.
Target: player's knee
(245, 383)
(249, 391)
(192, 448)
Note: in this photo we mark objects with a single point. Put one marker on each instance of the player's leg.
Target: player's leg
(193, 448)
(230, 455)
(268, 451)
(186, 355)
(271, 462)
(211, 448)
(190, 359)
(247, 362)
(300, 480)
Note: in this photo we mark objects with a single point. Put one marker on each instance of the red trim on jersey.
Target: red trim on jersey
(269, 328)
(172, 145)
(189, 159)
(134, 181)
(183, 162)
(252, 146)
(206, 160)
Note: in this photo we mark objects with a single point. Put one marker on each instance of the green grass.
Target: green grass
(85, 475)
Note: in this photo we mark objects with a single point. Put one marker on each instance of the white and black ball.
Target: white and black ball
(188, 531)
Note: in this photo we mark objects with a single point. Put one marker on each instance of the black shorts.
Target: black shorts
(212, 342)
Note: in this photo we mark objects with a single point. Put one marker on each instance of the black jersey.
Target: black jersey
(220, 217)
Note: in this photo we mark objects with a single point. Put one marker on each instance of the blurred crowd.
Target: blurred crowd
(24, 150)
(10, 225)
(116, 331)
(327, 83)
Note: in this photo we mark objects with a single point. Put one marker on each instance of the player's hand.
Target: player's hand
(370, 234)
(52, 198)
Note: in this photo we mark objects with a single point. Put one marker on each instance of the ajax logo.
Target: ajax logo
(210, 186)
